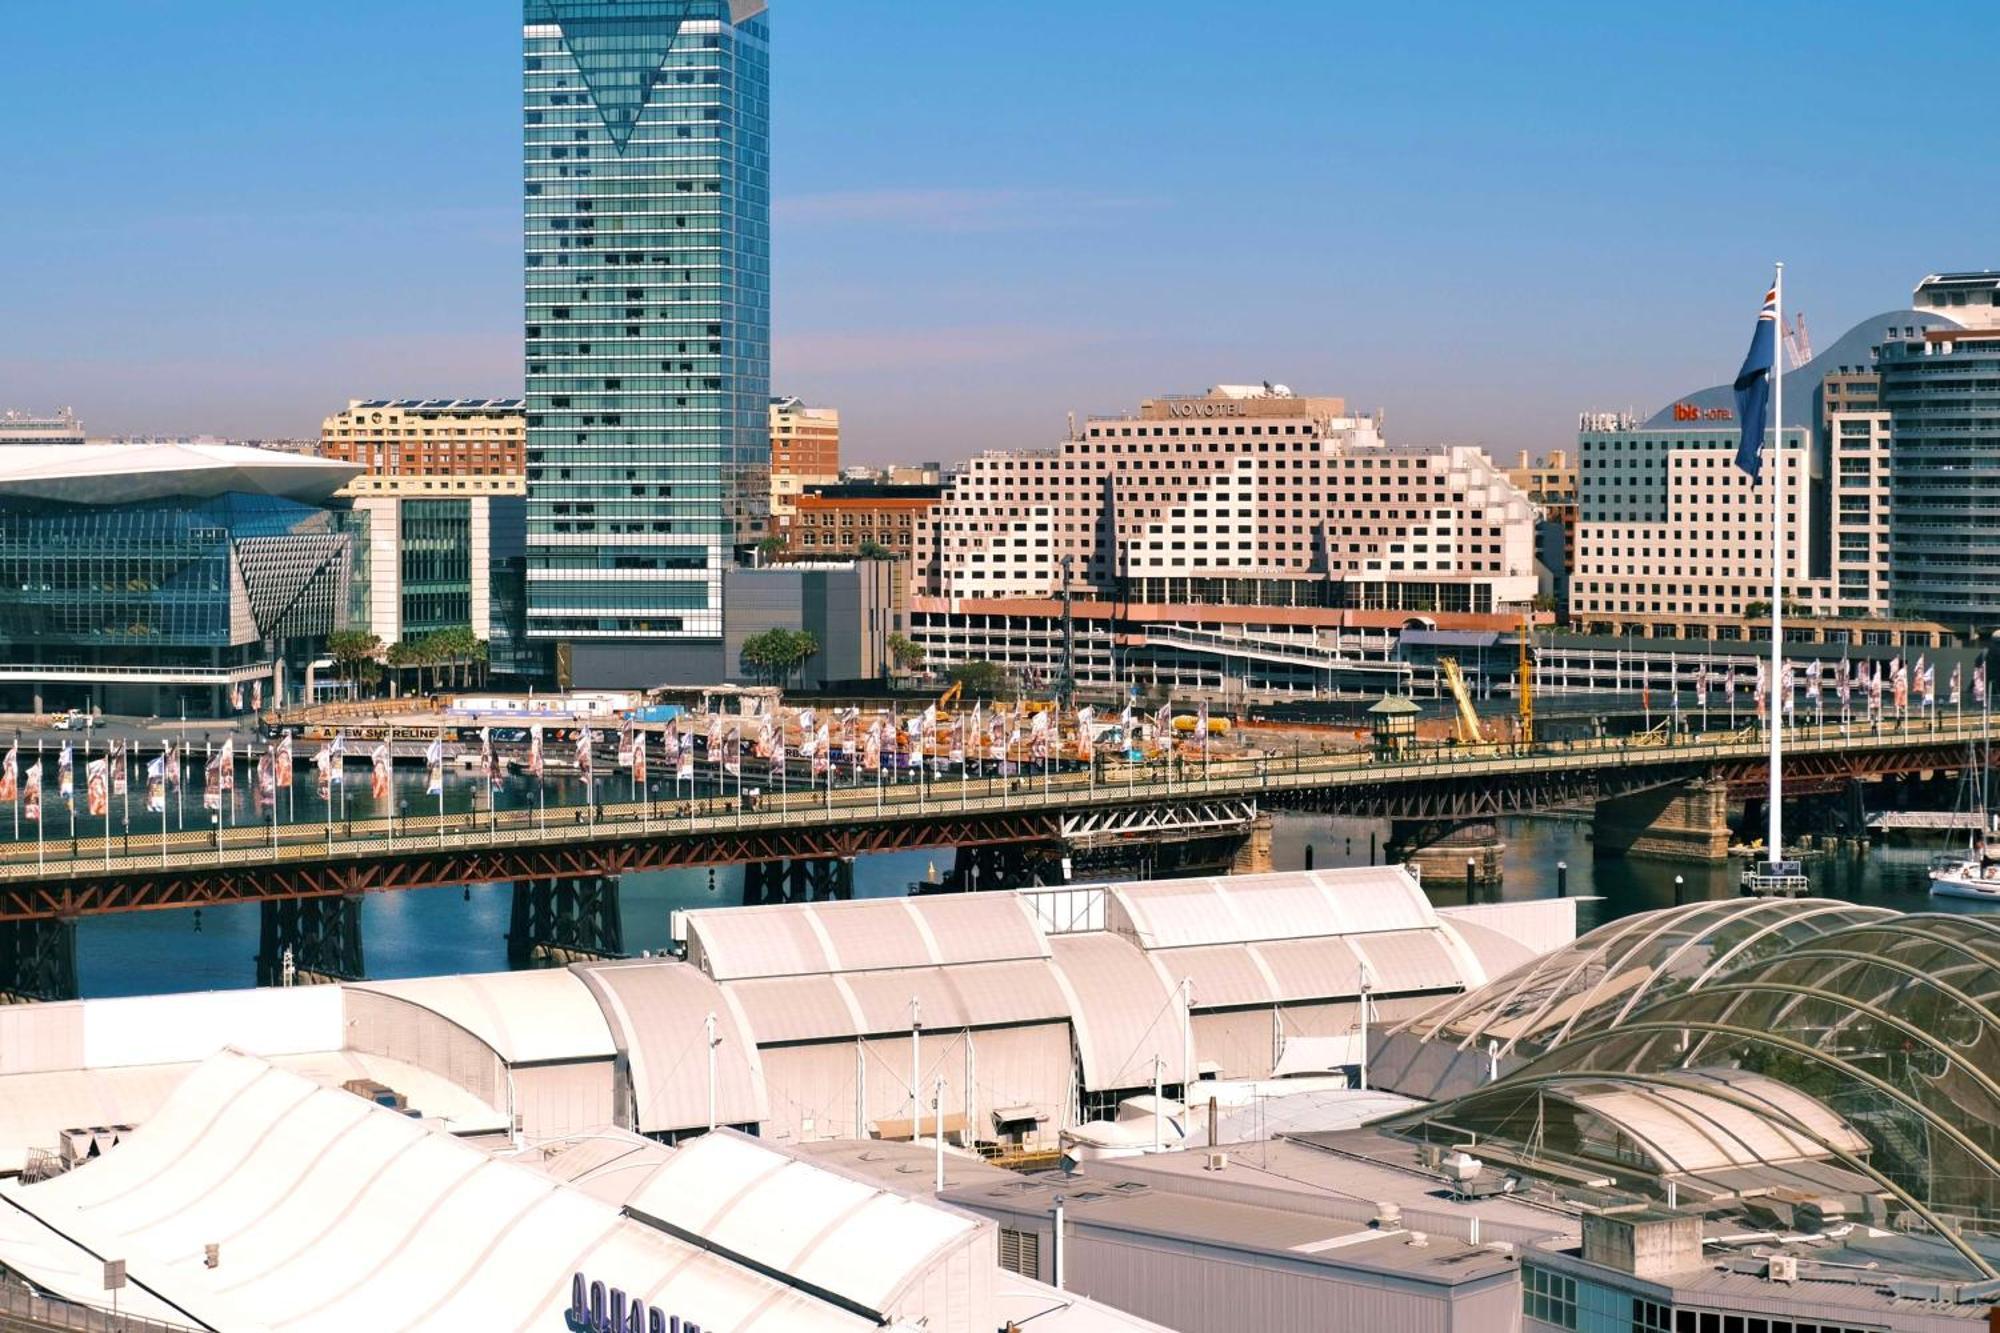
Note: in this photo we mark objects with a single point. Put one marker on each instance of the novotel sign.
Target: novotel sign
(1204, 407)
(595, 1308)
(1690, 412)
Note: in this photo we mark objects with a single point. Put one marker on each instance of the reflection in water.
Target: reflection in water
(429, 932)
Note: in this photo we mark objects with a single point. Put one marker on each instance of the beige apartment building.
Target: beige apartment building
(415, 437)
(1244, 541)
(805, 451)
(445, 494)
(1242, 494)
(1549, 481)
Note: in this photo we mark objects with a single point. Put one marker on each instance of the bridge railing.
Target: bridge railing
(275, 844)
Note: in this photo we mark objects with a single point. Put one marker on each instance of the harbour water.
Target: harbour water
(437, 931)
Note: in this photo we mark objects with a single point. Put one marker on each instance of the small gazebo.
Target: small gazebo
(1395, 721)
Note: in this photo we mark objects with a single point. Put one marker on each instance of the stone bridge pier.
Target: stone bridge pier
(1468, 852)
(1683, 821)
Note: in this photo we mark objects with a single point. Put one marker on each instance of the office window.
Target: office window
(1549, 1297)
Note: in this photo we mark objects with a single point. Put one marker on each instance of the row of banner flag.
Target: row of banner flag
(1852, 678)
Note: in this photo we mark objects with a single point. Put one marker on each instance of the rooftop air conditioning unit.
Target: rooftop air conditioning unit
(1217, 1161)
(1784, 1268)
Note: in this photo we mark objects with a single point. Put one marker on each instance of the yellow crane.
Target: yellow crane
(1527, 683)
(1469, 731)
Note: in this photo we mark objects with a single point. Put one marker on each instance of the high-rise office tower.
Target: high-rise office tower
(1941, 388)
(647, 176)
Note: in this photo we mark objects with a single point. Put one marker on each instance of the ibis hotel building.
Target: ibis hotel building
(1673, 539)
(648, 326)
(1249, 538)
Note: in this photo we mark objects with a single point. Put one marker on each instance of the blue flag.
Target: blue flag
(1753, 387)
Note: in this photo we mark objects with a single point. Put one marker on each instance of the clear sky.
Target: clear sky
(230, 217)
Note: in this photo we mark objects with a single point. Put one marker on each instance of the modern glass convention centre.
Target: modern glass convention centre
(143, 578)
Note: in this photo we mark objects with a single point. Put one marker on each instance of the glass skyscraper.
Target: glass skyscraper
(647, 176)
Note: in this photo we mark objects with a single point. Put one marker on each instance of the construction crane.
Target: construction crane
(1468, 728)
(1798, 343)
(950, 697)
(1526, 688)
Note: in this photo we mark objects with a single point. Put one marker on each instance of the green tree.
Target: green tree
(405, 655)
(771, 547)
(776, 654)
(905, 652)
(353, 651)
(458, 649)
(874, 550)
(804, 647)
(982, 679)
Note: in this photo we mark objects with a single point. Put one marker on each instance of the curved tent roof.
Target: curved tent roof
(535, 1017)
(868, 1245)
(1125, 1011)
(861, 935)
(117, 473)
(658, 1011)
(1291, 937)
(336, 1214)
(1177, 913)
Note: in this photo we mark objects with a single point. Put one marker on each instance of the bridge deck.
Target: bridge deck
(252, 862)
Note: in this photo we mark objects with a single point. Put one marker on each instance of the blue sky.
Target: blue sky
(231, 217)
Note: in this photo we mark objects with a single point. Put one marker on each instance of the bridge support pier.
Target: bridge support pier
(1443, 851)
(815, 879)
(37, 961)
(1253, 857)
(1687, 822)
(323, 934)
(1014, 865)
(1001, 865)
(555, 922)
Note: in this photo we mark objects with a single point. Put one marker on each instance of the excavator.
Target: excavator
(1467, 729)
(1466, 726)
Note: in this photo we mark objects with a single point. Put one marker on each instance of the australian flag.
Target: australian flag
(1753, 387)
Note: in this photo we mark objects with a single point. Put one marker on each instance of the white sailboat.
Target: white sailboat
(1975, 872)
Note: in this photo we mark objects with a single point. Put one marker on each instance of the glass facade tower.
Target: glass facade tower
(647, 192)
(1942, 393)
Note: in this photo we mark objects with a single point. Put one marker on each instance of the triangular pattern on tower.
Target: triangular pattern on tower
(618, 47)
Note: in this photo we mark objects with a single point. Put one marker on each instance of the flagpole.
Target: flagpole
(1775, 841)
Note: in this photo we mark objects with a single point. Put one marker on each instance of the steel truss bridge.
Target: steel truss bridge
(264, 863)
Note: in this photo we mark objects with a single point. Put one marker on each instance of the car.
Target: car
(69, 721)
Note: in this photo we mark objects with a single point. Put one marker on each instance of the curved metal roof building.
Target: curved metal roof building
(1608, 973)
(1864, 1060)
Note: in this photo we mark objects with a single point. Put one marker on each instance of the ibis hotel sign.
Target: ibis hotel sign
(595, 1308)
(1692, 412)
